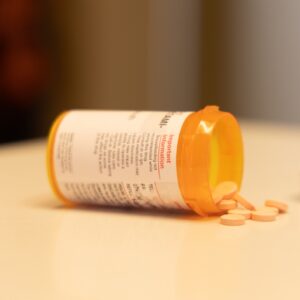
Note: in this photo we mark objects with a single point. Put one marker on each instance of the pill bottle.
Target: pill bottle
(169, 160)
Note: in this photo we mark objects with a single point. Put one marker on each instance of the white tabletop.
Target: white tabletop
(51, 252)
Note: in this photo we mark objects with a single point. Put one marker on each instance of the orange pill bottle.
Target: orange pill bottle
(170, 160)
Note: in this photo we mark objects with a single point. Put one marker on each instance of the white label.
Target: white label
(121, 158)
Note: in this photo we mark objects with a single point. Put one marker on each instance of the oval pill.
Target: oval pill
(232, 220)
(224, 190)
(240, 211)
(283, 207)
(268, 208)
(227, 204)
(263, 215)
(245, 203)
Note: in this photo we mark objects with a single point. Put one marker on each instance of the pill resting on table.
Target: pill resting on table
(282, 207)
(241, 211)
(264, 215)
(268, 208)
(232, 220)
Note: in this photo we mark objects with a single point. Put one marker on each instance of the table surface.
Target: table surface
(48, 251)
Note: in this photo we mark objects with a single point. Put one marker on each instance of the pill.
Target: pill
(264, 215)
(224, 190)
(280, 205)
(245, 203)
(227, 204)
(269, 208)
(240, 211)
(232, 220)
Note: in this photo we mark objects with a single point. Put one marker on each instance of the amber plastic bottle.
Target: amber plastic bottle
(206, 146)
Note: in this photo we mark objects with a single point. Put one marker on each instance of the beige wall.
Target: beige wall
(168, 54)
(129, 54)
(251, 57)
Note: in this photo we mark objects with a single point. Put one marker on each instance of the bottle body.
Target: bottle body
(140, 159)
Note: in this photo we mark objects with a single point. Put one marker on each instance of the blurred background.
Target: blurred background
(146, 54)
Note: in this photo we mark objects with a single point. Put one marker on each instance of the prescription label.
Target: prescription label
(123, 158)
